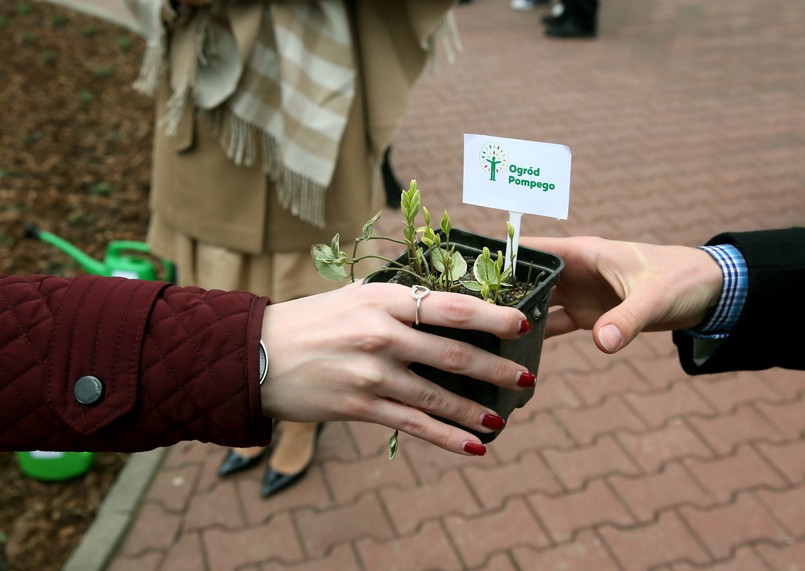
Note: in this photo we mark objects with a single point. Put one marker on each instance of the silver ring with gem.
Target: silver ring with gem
(418, 292)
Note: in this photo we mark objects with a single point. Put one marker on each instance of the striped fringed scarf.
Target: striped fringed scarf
(279, 99)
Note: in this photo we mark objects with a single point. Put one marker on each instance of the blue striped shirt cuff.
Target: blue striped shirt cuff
(733, 293)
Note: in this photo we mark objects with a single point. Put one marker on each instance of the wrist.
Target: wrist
(728, 270)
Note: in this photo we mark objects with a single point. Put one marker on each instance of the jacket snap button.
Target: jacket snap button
(88, 390)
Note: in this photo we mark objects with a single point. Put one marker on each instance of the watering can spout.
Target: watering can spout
(89, 264)
(124, 258)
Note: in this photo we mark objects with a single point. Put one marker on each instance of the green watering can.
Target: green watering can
(124, 259)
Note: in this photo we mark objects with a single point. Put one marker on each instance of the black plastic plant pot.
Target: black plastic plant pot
(525, 350)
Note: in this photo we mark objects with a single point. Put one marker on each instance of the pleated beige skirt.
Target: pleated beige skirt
(279, 275)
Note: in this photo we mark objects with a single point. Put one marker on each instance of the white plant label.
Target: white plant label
(518, 176)
(522, 177)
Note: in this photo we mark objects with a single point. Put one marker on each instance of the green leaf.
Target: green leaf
(330, 265)
(449, 263)
(459, 265)
(499, 264)
(471, 285)
(367, 228)
(446, 225)
(335, 245)
(410, 202)
(330, 271)
(484, 269)
(429, 237)
(393, 445)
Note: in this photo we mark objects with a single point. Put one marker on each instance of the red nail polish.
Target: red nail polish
(493, 421)
(525, 327)
(525, 379)
(475, 448)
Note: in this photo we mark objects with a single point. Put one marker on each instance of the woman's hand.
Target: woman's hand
(619, 289)
(344, 355)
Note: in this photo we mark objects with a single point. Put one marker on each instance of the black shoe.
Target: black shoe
(391, 185)
(234, 462)
(551, 18)
(274, 481)
(569, 29)
(556, 14)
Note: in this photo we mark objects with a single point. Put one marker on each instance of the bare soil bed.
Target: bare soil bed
(75, 144)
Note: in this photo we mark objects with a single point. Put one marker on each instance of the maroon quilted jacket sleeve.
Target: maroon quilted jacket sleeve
(97, 364)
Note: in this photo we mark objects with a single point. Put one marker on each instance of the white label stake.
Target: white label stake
(514, 243)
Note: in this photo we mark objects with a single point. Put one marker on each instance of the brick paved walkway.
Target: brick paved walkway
(685, 117)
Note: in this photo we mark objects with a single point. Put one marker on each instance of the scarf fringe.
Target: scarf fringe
(151, 68)
(303, 197)
(175, 109)
(446, 34)
(449, 36)
(148, 17)
(247, 145)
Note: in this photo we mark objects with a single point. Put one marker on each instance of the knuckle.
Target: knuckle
(414, 426)
(356, 407)
(456, 311)
(504, 371)
(369, 378)
(456, 357)
(442, 438)
(372, 341)
(466, 412)
(430, 400)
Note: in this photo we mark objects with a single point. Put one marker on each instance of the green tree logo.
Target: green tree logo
(494, 159)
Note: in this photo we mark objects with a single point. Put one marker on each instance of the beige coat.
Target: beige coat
(198, 191)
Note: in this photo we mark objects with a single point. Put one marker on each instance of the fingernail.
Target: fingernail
(610, 337)
(493, 421)
(525, 327)
(475, 448)
(525, 379)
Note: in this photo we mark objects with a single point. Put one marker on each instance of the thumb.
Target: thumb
(618, 327)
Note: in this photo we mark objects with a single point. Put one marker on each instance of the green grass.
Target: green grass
(124, 43)
(101, 189)
(32, 137)
(85, 97)
(27, 37)
(103, 71)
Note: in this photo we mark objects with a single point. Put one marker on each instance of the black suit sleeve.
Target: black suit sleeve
(770, 331)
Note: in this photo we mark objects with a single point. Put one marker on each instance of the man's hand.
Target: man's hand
(619, 289)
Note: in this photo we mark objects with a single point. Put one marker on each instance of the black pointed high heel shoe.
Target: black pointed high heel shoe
(391, 185)
(234, 462)
(274, 481)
